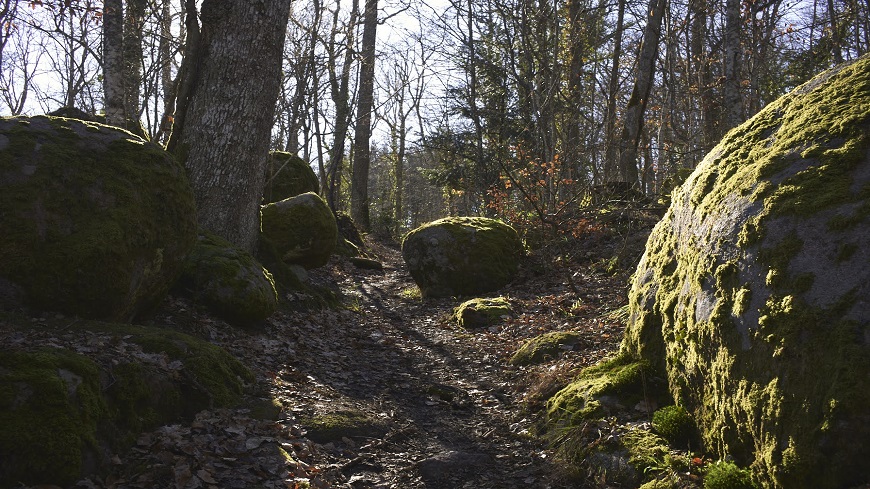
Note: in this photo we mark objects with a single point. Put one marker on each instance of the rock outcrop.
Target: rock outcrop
(228, 280)
(300, 230)
(94, 221)
(458, 256)
(288, 175)
(753, 291)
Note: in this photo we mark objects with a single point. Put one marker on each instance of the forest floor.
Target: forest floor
(385, 391)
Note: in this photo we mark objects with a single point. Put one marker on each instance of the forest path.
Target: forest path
(386, 392)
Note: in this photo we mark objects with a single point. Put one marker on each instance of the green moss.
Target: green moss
(547, 346)
(300, 230)
(846, 251)
(458, 256)
(481, 312)
(647, 452)
(727, 475)
(288, 175)
(50, 410)
(619, 379)
(715, 328)
(343, 424)
(229, 281)
(97, 221)
(675, 425)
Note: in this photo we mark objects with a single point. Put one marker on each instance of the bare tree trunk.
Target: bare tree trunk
(113, 62)
(359, 202)
(224, 140)
(634, 112)
(837, 43)
(134, 20)
(339, 83)
(611, 164)
(732, 101)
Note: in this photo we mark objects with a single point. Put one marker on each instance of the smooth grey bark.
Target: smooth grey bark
(359, 195)
(230, 91)
(113, 62)
(634, 112)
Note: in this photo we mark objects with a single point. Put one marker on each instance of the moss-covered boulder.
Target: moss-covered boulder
(62, 412)
(228, 280)
(752, 294)
(614, 385)
(300, 230)
(288, 175)
(482, 312)
(458, 256)
(548, 346)
(95, 222)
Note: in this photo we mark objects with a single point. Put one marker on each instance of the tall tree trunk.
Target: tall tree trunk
(339, 83)
(634, 112)
(134, 20)
(167, 84)
(611, 164)
(224, 141)
(359, 197)
(836, 42)
(732, 101)
(113, 62)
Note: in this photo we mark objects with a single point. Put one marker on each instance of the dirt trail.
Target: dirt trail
(383, 393)
(451, 416)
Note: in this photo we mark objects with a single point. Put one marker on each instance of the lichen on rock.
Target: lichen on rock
(458, 256)
(300, 230)
(96, 222)
(228, 280)
(752, 293)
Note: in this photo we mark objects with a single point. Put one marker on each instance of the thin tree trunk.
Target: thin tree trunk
(611, 164)
(134, 20)
(224, 141)
(113, 62)
(836, 48)
(359, 201)
(732, 101)
(340, 91)
(634, 112)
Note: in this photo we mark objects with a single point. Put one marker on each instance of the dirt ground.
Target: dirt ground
(383, 392)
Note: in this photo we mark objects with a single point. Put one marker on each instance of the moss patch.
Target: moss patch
(96, 222)
(50, 408)
(746, 295)
(288, 175)
(458, 256)
(60, 410)
(598, 390)
(342, 424)
(300, 230)
(547, 346)
(482, 312)
(229, 281)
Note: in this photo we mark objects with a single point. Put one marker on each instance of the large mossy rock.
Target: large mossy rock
(288, 175)
(300, 230)
(63, 412)
(458, 256)
(228, 280)
(753, 291)
(94, 221)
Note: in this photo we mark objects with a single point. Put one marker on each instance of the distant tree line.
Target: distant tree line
(521, 109)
